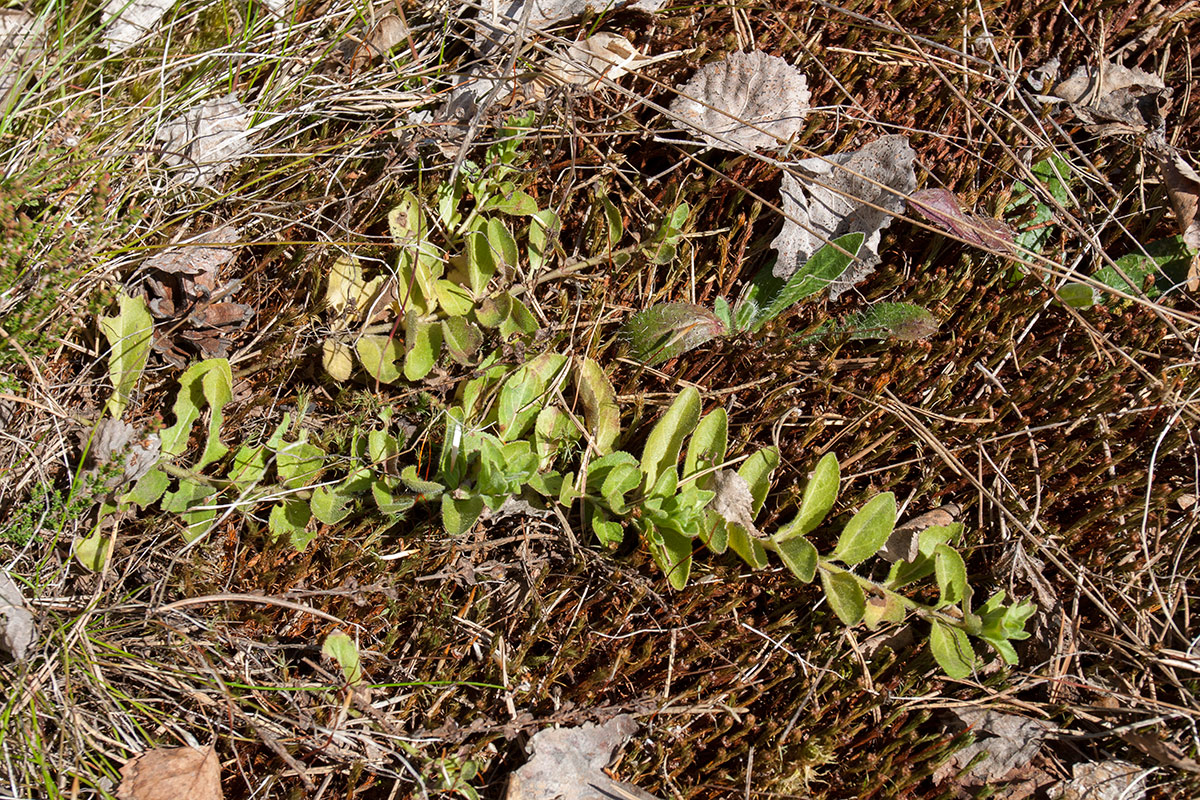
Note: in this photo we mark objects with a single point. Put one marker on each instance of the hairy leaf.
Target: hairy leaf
(867, 531)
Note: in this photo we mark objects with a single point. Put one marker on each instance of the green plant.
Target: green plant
(667, 330)
(440, 308)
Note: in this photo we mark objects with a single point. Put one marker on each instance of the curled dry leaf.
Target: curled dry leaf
(126, 22)
(568, 764)
(733, 500)
(591, 61)
(942, 209)
(17, 633)
(747, 101)
(851, 192)
(1116, 99)
(207, 140)
(114, 443)
(18, 45)
(172, 773)
(902, 543)
(184, 287)
(1183, 187)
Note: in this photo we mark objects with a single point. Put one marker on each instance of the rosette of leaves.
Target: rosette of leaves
(667, 330)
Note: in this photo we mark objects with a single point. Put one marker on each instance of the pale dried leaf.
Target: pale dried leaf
(851, 192)
(1010, 742)
(114, 443)
(18, 43)
(748, 101)
(17, 633)
(126, 22)
(733, 499)
(941, 207)
(172, 773)
(1183, 187)
(386, 34)
(207, 140)
(902, 543)
(568, 764)
(1101, 780)
(501, 19)
(204, 254)
(1121, 99)
(591, 61)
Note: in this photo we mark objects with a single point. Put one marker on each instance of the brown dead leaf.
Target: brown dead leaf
(594, 60)
(1162, 751)
(1116, 99)
(207, 140)
(942, 209)
(172, 773)
(115, 443)
(386, 34)
(17, 631)
(1100, 780)
(1183, 188)
(902, 544)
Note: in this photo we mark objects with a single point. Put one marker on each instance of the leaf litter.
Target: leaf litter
(568, 764)
(855, 192)
(171, 773)
(746, 101)
(17, 631)
(206, 141)
(127, 22)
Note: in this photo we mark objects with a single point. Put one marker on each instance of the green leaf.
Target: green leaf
(415, 483)
(887, 608)
(756, 471)
(148, 489)
(379, 355)
(951, 575)
(614, 226)
(620, 481)
(819, 496)
(299, 463)
(481, 261)
(723, 312)
(825, 266)
(516, 203)
(707, 447)
(800, 556)
(667, 330)
(929, 539)
(458, 516)
(330, 505)
(455, 299)
(92, 551)
(543, 228)
(673, 552)
(866, 532)
(462, 339)
(491, 311)
(521, 398)
(952, 649)
(209, 383)
(518, 321)
(341, 648)
(389, 505)
(748, 548)
(504, 246)
(289, 519)
(552, 432)
(666, 438)
(248, 467)
(129, 335)
(190, 492)
(449, 196)
(601, 413)
(609, 533)
(845, 596)
(662, 247)
(423, 342)
(1078, 295)
(904, 321)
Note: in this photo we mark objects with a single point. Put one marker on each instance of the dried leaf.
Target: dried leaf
(748, 101)
(590, 62)
(1183, 187)
(1101, 780)
(902, 543)
(568, 763)
(501, 20)
(17, 633)
(1117, 99)
(386, 34)
(851, 192)
(205, 253)
(733, 500)
(172, 773)
(1010, 742)
(207, 140)
(18, 45)
(941, 208)
(126, 22)
(115, 442)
